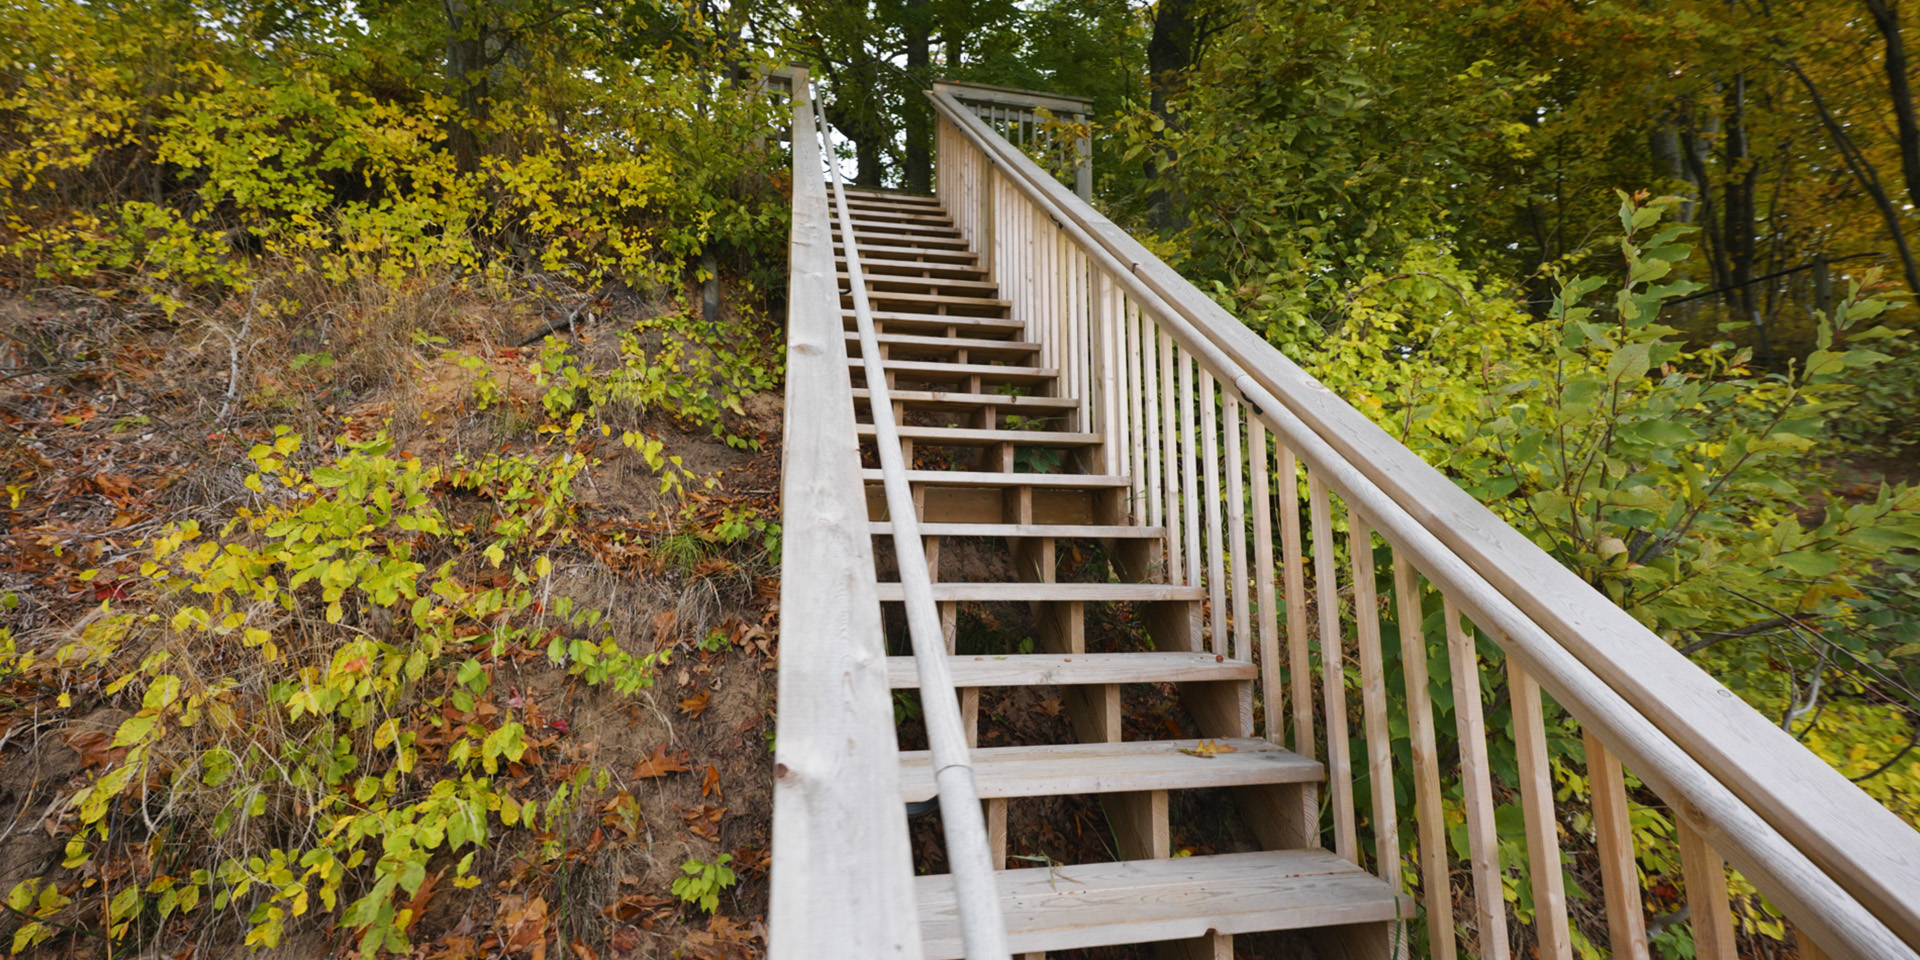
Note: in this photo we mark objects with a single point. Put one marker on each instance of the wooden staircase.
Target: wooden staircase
(971, 394)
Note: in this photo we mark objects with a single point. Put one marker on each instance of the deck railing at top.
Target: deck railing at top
(1189, 402)
(1021, 117)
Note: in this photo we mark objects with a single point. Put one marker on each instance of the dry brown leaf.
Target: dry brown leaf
(524, 925)
(704, 821)
(663, 624)
(626, 939)
(710, 784)
(421, 897)
(660, 764)
(1049, 706)
(695, 705)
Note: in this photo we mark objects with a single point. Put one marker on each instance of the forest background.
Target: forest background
(388, 401)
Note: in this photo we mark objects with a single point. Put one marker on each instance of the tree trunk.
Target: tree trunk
(918, 119)
(466, 83)
(1169, 55)
(1864, 173)
(1900, 91)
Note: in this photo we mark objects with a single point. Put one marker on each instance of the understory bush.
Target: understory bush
(319, 729)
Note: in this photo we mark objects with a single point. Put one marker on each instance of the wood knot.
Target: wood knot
(779, 771)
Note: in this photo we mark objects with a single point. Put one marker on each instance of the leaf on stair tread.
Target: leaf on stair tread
(1207, 749)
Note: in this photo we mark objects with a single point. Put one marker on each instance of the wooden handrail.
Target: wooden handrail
(842, 876)
(962, 820)
(1778, 839)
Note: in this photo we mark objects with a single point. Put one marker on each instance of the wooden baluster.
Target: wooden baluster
(1112, 372)
(1373, 699)
(1236, 530)
(1211, 493)
(1333, 676)
(1299, 671)
(1436, 887)
(1059, 277)
(1072, 331)
(1094, 336)
(1613, 842)
(1151, 413)
(1142, 500)
(1189, 472)
(1081, 286)
(1707, 906)
(1536, 806)
(1263, 581)
(1170, 439)
(1476, 788)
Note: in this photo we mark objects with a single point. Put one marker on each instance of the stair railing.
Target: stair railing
(962, 820)
(1187, 399)
(842, 877)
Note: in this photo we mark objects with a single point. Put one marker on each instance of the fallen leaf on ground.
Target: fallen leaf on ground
(660, 764)
(695, 705)
(710, 783)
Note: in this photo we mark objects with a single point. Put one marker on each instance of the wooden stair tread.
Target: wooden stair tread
(890, 196)
(974, 437)
(982, 478)
(929, 370)
(1068, 669)
(1064, 531)
(961, 400)
(863, 214)
(1069, 769)
(1011, 347)
(889, 268)
(946, 283)
(942, 238)
(1141, 901)
(889, 253)
(890, 591)
(938, 321)
(934, 299)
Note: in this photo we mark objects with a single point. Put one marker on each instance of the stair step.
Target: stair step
(919, 346)
(941, 228)
(890, 591)
(1064, 531)
(887, 196)
(860, 206)
(866, 215)
(930, 299)
(982, 478)
(931, 372)
(1068, 769)
(892, 281)
(901, 320)
(889, 268)
(973, 437)
(890, 253)
(1070, 669)
(958, 400)
(902, 239)
(1141, 901)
